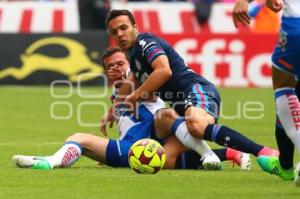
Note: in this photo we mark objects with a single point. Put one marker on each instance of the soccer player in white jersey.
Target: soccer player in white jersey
(114, 152)
(285, 74)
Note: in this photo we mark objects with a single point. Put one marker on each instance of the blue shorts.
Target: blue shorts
(117, 150)
(188, 160)
(117, 153)
(200, 95)
(286, 56)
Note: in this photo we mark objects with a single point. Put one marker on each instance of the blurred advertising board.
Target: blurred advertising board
(228, 60)
(180, 17)
(31, 59)
(39, 17)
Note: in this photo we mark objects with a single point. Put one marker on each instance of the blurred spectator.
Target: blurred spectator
(203, 9)
(227, 1)
(169, 0)
(34, 0)
(266, 21)
(92, 13)
(152, 0)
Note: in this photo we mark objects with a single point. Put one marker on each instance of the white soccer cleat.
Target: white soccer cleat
(210, 161)
(33, 162)
(297, 178)
(245, 161)
(23, 161)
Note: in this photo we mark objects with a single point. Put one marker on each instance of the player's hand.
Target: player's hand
(240, 13)
(275, 5)
(131, 99)
(107, 118)
(149, 98)
(115, 73)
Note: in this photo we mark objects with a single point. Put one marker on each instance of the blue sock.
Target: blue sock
(176, 123)
(76, 143)
(285, 147)
(227, 137)
(221, 153)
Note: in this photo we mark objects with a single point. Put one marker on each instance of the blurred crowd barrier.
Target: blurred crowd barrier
(157, 17)
(39, 17)
(42, 41)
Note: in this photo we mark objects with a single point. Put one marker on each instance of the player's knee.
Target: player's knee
(76, 137)
(167, 114)
(196, 129)
(210, 120)
(281, 79)
(282, 84)
(164, 120)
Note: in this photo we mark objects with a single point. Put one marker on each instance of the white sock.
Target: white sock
(181, 132)
(288, 111)
(67, 155)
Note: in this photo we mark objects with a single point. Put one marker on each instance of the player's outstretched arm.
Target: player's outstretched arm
(107, 118)
(160, 75)
(240, 13)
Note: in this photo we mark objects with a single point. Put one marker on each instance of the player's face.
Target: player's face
(123, 32)
(116, 66)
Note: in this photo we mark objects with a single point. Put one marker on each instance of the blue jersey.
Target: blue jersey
(147, 48)
(131, 129)
(285, 56)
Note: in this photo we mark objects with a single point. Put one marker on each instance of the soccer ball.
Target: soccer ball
(146, 156)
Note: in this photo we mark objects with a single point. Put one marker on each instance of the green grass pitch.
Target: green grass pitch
(27, 127)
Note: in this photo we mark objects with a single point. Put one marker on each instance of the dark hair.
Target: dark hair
(115, 13)
(108, 52)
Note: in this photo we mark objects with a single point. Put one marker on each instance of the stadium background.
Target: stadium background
(227, 56)
(46, 45)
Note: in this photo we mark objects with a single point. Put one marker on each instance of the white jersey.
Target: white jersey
(291, 8)
(124, 122)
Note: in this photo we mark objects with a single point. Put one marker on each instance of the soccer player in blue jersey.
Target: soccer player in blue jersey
(114, 152)
(285, 67)
(161, 71)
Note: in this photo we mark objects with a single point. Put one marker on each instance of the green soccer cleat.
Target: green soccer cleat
(297, 178)
(32, 162)
(271, 165)
(41, 164)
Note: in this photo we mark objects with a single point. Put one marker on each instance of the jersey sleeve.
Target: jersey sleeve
(151, 49)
